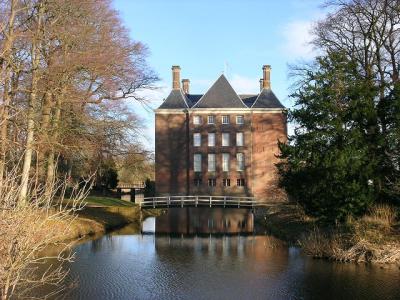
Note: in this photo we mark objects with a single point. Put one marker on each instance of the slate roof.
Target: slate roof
(248, 99)
(175, 100)
(192, 99)
(267, 99)
(220, 95)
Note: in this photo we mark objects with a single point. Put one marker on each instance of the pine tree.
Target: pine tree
(329, 165)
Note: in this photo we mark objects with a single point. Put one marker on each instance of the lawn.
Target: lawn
(107, 201)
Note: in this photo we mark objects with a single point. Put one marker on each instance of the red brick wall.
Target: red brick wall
(218, 128)
(170, 156)
(267, 129)
(261, 133)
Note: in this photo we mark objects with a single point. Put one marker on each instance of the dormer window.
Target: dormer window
(225, 119)
(196, 120)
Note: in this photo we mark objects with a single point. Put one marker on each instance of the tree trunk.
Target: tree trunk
(9, 41)
(51, 161)
(31, 109)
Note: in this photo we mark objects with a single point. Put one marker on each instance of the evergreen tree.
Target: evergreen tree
(330, 164)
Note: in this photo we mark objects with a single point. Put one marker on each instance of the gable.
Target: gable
(267, 99)
(175, 100)
(220, 95)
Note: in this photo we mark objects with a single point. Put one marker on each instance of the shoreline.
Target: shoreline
(97, 220)
(366, 240)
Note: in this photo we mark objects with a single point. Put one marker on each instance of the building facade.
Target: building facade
(218, 143)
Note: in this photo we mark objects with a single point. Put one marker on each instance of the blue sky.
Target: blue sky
(208, 37)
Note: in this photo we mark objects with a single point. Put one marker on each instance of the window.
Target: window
(240, 161)
(240, 182)
(225, 162)
(226, 182)
(240, 120)
(225, 119)
(196, 120)
(212, 182)
(211, 119)
(197, 163)
(197, 182)
(239, 139)
(196, 139)
(211, 162)
(211, 139)
(225, 139)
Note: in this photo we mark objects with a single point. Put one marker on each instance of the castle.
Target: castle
(218, 143)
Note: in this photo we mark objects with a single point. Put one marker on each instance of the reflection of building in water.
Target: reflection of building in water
(256, 251)
(192, 220)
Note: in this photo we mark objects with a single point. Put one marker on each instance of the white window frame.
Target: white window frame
(225, 162)
(225, 119)
(210, 117)
(226, 182)
(197, 139)
(197, 120)
(211, 163)
(211, 139)
(213, 182)
(225, 139)
(197, 162)
(240, 117)
(240, 139)
(240, 182)
(240, 161)
(197, 182)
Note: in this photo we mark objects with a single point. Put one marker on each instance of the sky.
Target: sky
(209, 37)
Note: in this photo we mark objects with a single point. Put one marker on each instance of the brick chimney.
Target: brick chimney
(261, 84)
(176, 77)
(185, 85)
(267, 77)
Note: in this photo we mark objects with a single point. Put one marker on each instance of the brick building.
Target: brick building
(219, 143)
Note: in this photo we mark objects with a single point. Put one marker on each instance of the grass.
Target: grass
(107, 201)
(105, 213)
(375, 237)
(287, 221)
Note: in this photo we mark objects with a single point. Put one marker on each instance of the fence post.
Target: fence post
(210, 200)
(154, 203)
(224, 201)
(196, 201)
(181, 201)
(239, 203)
(169, 201)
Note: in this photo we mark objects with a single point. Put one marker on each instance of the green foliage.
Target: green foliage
(331, 164)
(107, 175)
(150, 189)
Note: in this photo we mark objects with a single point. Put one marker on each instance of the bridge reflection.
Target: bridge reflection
(205, 220)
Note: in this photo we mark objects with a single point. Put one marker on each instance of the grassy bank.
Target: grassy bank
(101, 214)
(373, 238)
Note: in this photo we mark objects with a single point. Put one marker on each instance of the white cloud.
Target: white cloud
(297, 38)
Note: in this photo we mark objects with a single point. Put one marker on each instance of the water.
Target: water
(128, 265)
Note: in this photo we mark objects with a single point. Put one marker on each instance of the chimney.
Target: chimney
(176, 74)
(261, 84)
(185, 85)
(267, 77)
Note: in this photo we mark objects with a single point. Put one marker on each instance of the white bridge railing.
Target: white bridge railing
(196, 201)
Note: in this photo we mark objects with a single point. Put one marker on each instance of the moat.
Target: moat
(127, 264)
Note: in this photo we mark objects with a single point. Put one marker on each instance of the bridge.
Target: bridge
(200, 201)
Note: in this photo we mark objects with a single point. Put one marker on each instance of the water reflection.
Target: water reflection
(195, 220)
(218, 267)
